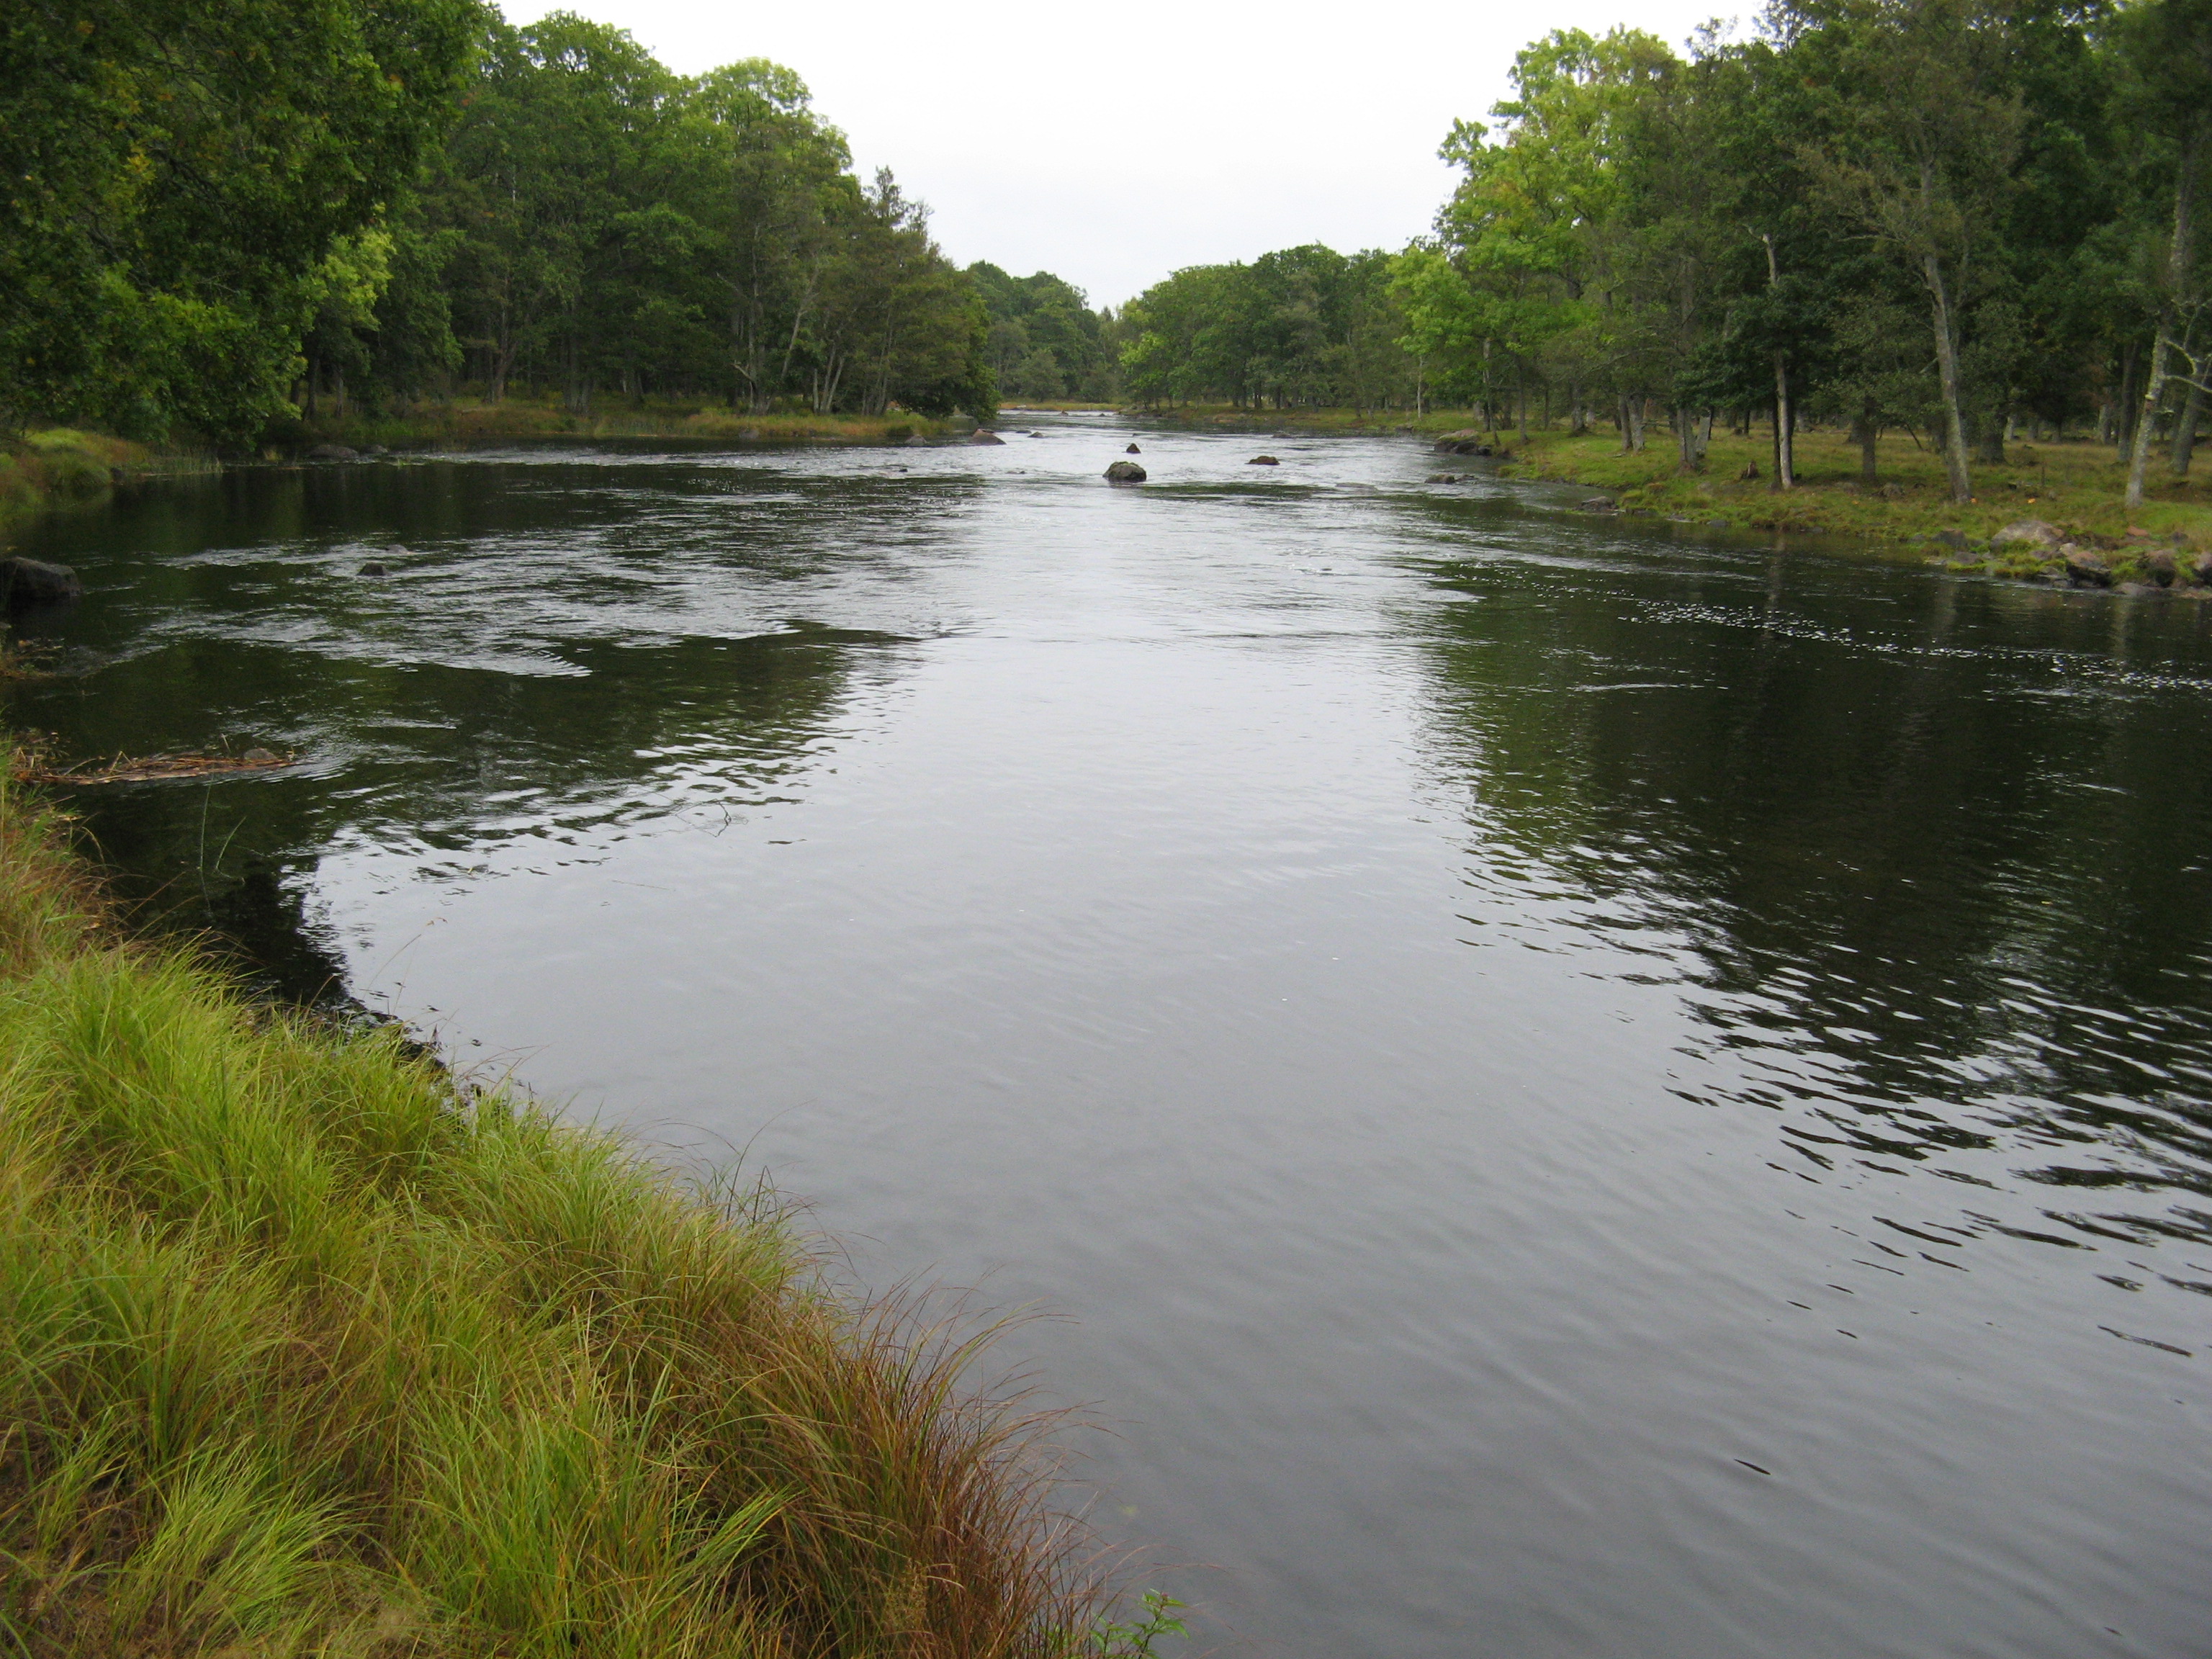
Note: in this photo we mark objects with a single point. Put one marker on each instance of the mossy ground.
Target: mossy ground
(305, 1349)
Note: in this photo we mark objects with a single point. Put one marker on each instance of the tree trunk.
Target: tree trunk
(1685, 441)
(1869, 437)
(2185, 429)
(2180, 254)
(1784, 472)
(1947, 363)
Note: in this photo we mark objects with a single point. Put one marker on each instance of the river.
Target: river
(1562, 1087)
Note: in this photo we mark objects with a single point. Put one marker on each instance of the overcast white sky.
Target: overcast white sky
(1112, 145)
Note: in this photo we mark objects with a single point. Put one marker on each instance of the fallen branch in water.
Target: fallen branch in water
(148, 768)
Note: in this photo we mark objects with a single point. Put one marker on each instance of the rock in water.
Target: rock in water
(1133, 450)
(1125, 472)
(1599, 504)
(261, 756)
(27, 582)
(915, 440)
(372, 568)
(2035, 532)
(2086, 566)
(986, 438)
(1263, 460)
(331, 452)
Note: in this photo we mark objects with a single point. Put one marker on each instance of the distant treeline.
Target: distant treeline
(1950, 216)
(221, 212)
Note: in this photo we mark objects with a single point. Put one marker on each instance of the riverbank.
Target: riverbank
(305, 1347)
(62, 467)
(2074, 485)
(462, 422)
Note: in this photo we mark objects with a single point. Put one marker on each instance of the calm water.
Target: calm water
(1583, 1089)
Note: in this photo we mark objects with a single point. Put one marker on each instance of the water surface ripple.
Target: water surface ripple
(1585, 1088)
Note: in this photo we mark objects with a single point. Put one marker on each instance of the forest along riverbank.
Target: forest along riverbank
(1701, 1040)
(305, 1340)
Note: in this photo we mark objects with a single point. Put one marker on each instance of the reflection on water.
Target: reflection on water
(1588, 1091)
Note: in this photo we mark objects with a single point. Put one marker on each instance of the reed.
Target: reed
(305, 1349)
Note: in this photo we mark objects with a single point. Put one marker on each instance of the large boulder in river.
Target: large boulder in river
(985, 438)
(1125, 472)
(27, 582)
(2033, 532)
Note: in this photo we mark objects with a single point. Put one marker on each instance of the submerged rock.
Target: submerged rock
(1125, 472)
(1444, 478)
(1263, 460)
(27, 582)
(375, 568)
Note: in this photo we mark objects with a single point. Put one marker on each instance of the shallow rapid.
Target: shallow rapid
(1580, 1087)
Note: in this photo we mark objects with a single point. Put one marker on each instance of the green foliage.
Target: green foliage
(216, 212)
(1942, 214)
(1299, 327)
(1045, 342)
(178, 177)
(1136, 1640)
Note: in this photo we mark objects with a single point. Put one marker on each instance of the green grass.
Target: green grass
(2075, 485)
(470, 421)
(61, 466)
(307, 1350)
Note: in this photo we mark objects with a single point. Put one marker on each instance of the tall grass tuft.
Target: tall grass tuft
(304, 1350)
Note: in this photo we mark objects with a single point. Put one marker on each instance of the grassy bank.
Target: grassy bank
(61, 466)
(464, 421)
(2074, 484)
(305, 1351)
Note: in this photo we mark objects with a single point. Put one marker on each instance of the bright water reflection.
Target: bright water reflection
(1588, 1092)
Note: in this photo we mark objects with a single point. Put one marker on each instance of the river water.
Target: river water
(1570, 1087)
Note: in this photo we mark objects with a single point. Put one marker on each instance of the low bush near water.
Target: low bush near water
(302, 1350)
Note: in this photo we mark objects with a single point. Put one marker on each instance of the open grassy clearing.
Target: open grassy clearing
(305, 1350)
